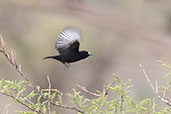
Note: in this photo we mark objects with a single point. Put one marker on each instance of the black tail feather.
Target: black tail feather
(52, 57)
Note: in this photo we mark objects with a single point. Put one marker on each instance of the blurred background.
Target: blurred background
(120, 34)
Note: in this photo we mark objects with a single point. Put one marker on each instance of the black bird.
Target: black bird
(67, 45)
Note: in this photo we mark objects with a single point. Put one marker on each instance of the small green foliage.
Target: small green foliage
(164, 64)
(114, 99)
(167, 66)
(31, 95)
(26, 112)
(60, 98)
(116, 78)
(121, 102)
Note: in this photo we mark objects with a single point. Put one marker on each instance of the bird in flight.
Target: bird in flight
(67, 45)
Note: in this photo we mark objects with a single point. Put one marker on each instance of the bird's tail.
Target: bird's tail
(52, 57)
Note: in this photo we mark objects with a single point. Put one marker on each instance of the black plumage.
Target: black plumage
(67, 45)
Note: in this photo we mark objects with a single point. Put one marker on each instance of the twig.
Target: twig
(106, 92)
(79, 95)
(76, 92)
(34, 110)
(49, 110)
(163, 99)
(67, 107)
(122, 101)
(145, 74)
(164, 93)
(84, 89)
(12, 60)
(157, 90)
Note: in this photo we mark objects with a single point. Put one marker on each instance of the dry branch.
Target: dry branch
(162, 98)
(49, 110)
(89, 92)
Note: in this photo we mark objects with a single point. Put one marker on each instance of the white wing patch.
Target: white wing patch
(66, 37)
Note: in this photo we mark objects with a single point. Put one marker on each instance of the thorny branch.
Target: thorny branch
(12, 60)
(162, 98)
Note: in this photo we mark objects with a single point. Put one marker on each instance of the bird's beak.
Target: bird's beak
(91, 54)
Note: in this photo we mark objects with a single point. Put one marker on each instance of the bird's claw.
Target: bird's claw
(67, 65)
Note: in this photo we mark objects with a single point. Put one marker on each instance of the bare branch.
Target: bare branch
(12, 60)
(76, 92)
(157, 90)
(2, 43)
(67, 107)
(163, 99)
(84, 89)
(49, 109)
(145, 74)
(80, 96)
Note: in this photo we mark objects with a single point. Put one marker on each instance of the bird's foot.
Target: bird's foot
(67, 65)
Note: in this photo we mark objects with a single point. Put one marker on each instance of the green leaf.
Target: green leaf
(116, 77)
(31, 95)
(44, 109)
(26, 112)
(21, 91)
(164, 64)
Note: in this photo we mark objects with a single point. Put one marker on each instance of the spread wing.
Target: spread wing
(68, 40)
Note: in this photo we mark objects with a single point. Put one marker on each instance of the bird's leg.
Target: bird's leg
(67, 65)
